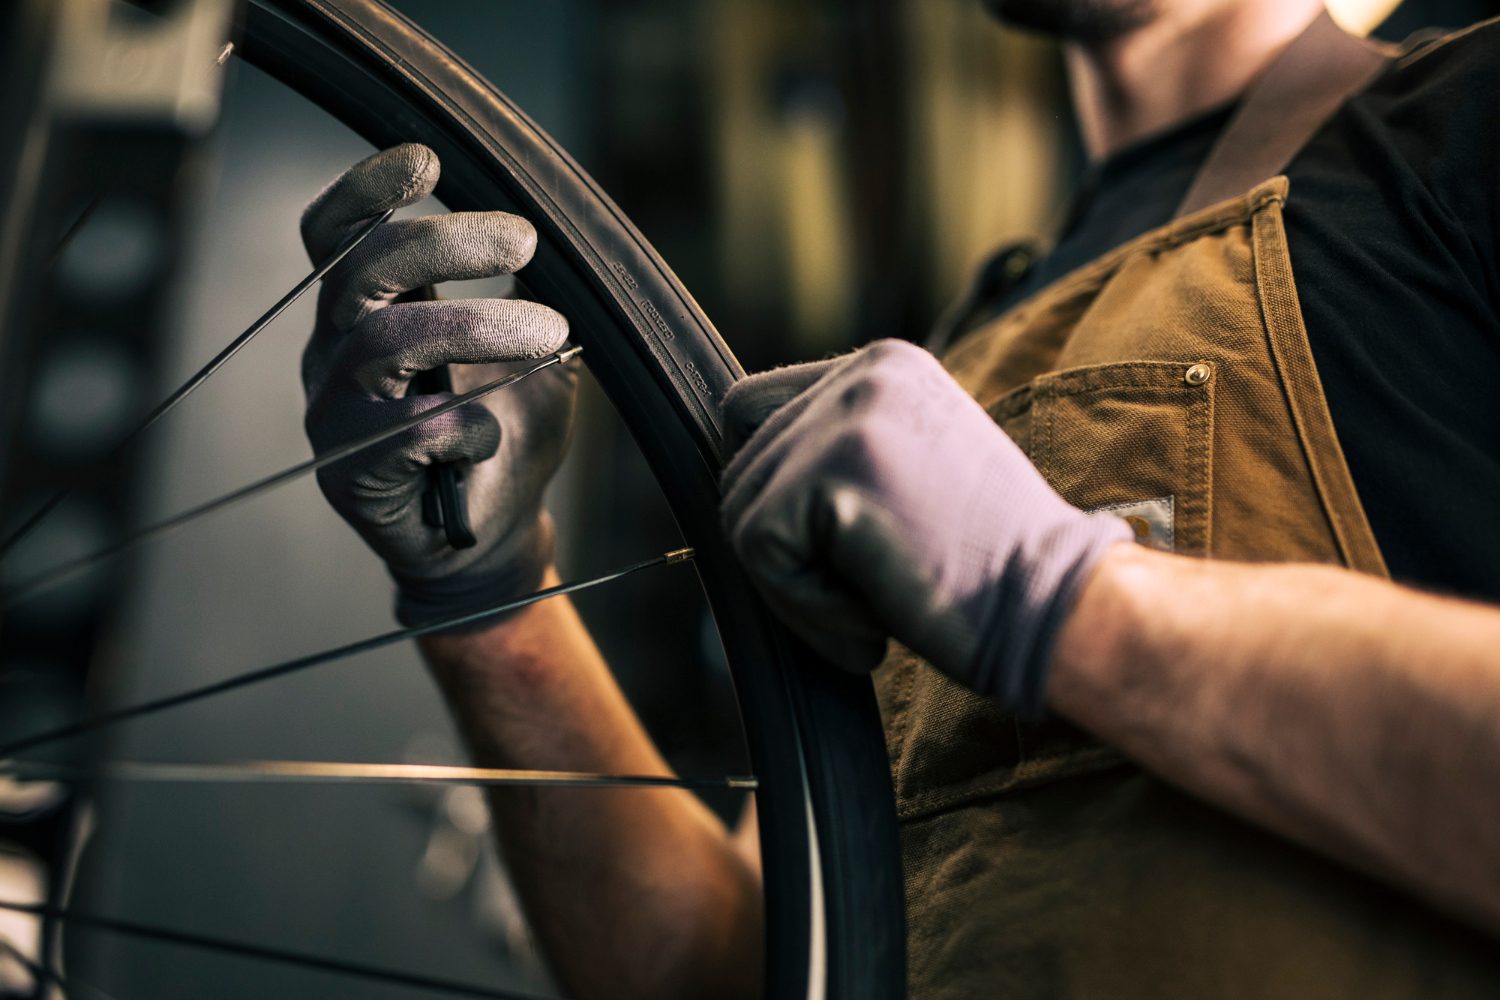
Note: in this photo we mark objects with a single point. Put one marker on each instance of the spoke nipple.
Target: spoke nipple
(569, 353)
(679, 556)
(747, 783)
(224, 54)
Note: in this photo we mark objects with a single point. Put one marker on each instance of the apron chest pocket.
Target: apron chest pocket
(1132, 439)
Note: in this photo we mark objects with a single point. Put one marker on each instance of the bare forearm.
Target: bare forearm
(1355, 716)
(633, 892)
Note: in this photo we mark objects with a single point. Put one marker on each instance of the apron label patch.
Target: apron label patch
(1151, 520)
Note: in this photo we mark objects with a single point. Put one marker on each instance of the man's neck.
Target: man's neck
(1192, 57)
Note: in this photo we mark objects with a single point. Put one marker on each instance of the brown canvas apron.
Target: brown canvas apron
(1170, 381)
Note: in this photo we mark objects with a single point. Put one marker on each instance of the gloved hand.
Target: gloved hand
(875, 498)
(366, 348)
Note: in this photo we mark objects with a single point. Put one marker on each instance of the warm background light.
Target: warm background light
(1361, 16)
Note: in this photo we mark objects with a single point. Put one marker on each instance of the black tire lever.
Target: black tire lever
(444, 504)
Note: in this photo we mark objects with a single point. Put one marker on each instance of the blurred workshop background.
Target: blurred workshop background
(818, 172)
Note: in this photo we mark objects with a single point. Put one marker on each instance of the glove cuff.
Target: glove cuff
(509, 571)
(1014, 655)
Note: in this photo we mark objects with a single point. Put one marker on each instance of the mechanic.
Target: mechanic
(1120, 772)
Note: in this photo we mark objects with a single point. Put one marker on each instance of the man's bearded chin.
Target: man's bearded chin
(1088, 21)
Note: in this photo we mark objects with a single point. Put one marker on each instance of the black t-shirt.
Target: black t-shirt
(1393, 224)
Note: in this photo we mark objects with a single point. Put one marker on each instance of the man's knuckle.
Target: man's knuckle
(855, 446)
(891, 352)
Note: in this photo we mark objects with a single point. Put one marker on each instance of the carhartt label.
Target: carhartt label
(1151, 520)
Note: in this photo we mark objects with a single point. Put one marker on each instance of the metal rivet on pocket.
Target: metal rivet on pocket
(1198, 374)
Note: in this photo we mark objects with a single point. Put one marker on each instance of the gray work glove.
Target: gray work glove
(366, 348)
(874, 498)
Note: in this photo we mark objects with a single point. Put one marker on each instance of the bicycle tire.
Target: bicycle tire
(834, 925)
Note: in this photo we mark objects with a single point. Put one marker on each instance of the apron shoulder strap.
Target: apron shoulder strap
(1287, 104)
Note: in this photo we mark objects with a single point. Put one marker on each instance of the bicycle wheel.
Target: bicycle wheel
(829, 852)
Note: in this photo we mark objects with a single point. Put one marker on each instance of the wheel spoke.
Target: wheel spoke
(282, 956)
(44, 975)
(75, 985)
(327, 656)
(333, 772)
(74, 228)
(203, 374)
(61, 572)
(40, 974)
